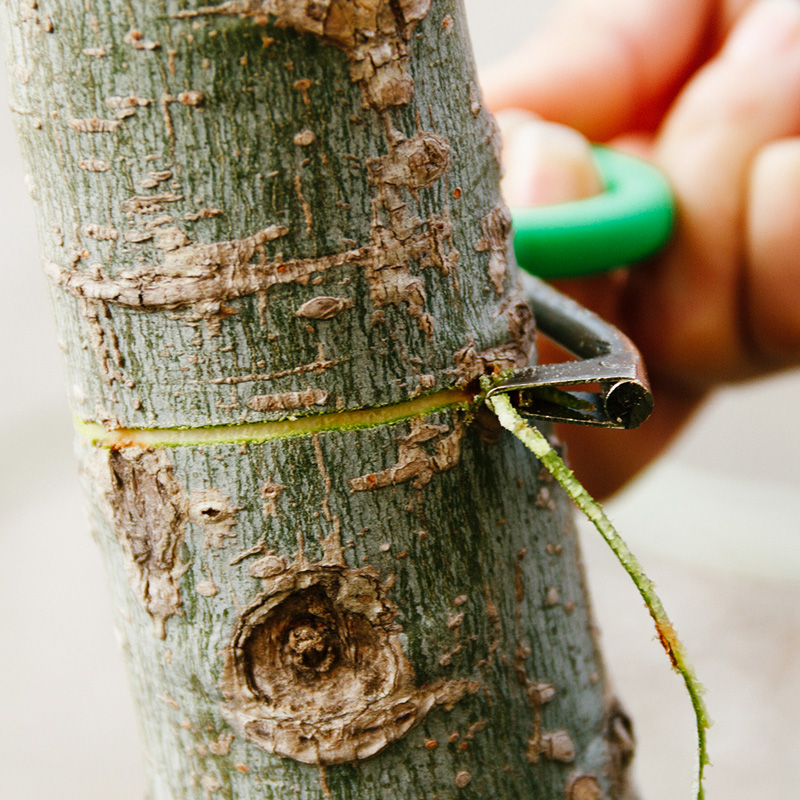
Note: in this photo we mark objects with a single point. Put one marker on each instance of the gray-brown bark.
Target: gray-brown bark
(265, 211)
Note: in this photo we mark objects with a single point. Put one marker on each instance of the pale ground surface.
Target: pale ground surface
(714, 524)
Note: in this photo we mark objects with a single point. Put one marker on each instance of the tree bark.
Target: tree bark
(279, 263)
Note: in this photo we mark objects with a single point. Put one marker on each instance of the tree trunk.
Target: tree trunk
(279, 264)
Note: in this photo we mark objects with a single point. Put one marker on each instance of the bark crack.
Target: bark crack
(147, 509)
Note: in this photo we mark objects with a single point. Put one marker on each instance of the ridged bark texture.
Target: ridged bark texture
(279, 209)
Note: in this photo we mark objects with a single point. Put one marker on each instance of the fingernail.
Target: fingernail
(770, 27)
(545, 163)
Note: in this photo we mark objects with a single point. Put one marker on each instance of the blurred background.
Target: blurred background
(714, 523)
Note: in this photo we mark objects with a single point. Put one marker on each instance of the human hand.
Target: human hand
(710, 91)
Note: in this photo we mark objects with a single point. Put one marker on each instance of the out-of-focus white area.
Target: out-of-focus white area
(714, 523)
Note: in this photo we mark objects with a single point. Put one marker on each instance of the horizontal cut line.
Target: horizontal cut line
(97, 434)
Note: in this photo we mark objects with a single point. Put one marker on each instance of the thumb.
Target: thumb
(544, 162)
(600, 67)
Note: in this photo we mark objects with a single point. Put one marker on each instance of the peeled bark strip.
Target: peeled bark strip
(272, 209)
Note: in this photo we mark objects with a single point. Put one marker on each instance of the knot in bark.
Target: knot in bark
(311, 647)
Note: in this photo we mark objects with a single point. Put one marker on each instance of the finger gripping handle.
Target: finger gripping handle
(631, 220)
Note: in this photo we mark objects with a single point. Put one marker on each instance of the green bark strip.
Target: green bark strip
(540, 447)
(280, 429)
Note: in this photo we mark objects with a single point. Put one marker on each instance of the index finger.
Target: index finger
(602, 68)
